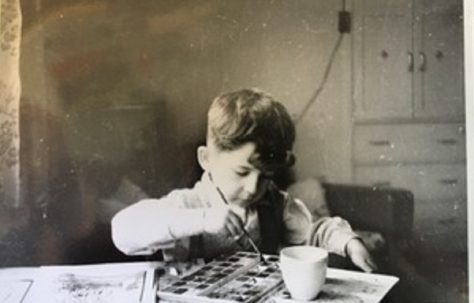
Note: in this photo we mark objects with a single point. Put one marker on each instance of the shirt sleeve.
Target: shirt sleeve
(330, 233)
(297, 221)
(152, 224)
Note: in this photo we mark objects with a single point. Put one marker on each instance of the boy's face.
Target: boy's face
(233, 172)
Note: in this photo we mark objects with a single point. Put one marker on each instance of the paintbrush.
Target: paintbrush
(246, 233)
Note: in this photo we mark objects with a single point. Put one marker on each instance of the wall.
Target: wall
(286, 47)
(280, 46)
(182, 54)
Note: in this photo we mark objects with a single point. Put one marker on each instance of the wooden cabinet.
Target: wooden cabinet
(408, 110)
(427, 159)
(438, 55)
(408, 59)
(383, 42)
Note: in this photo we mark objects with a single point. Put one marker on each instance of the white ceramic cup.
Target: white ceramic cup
(304, 270)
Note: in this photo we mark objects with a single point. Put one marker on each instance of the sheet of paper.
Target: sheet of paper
(16, 283)
(343, 286)
(14, 291)
(103, 283)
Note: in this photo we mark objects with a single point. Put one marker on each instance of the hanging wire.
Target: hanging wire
(327, 72)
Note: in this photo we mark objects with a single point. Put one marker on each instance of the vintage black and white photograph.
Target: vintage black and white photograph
(222, 151)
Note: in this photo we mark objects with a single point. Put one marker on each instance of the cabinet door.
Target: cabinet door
(383, 60)
(439, 55)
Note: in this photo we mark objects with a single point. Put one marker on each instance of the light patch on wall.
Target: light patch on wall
(182, 17)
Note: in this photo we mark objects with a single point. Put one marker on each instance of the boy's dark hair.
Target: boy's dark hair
(251, 115)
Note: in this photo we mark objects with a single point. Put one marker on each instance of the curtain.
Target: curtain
(10, 36)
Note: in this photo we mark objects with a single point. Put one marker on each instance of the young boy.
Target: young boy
(249, 137)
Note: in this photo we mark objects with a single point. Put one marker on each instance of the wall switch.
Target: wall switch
(344, 25)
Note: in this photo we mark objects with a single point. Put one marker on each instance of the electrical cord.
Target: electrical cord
(327, 72)
(322, 84)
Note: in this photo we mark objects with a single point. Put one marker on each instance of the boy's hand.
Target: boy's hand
(360, 256)
(222, 219)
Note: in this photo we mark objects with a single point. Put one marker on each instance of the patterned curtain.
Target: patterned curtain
(10, 36)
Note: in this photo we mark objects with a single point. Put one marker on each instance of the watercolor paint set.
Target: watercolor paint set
(242, 277)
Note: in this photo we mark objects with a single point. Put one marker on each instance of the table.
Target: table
(138, 282)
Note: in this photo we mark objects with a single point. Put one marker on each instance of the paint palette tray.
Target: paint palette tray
(238, 278)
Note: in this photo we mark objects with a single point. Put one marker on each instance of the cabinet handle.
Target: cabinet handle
(410, 62)
(423, 62)
(448, 221)
(447, 141)
(379, 142)
(381, 184)
(448, 181)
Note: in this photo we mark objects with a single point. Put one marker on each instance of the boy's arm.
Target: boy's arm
(336, 235)
(331, 233)
(152, 224)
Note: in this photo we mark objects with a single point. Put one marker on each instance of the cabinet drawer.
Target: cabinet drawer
(441, 225)
(409, 143)
(432, 216)
(427, 182)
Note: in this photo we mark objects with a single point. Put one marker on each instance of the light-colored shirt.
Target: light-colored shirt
(175, 225)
